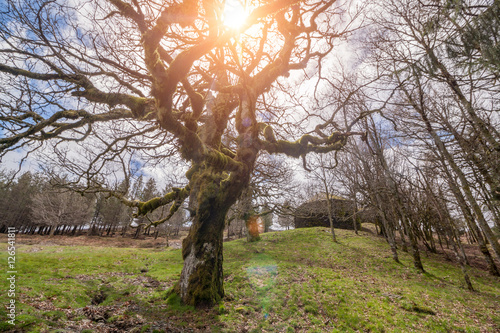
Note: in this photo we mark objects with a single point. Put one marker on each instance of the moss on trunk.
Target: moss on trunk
(213, 193)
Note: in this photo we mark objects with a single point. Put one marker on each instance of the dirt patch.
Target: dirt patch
(474, 255)
(104, 319)
(118, 318)
(95, 241)
(32, 249)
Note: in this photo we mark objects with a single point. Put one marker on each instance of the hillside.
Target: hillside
(291, 281)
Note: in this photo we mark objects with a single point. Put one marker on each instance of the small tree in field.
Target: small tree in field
(126, 78)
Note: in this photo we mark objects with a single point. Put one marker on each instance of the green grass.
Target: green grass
(293, 281)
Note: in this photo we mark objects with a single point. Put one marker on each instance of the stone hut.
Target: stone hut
(314, 213)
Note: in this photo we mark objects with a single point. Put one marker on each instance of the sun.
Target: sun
(235, 14)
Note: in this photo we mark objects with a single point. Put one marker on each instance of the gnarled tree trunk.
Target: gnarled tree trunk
(201, 278)
(201, 281)
(212, 192)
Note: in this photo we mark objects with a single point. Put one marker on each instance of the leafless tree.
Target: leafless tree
(444, 97)
(126, 80)
(59, 208)
(322, 164)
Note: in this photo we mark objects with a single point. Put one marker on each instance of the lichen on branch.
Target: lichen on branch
(177, 194)
(307, 144)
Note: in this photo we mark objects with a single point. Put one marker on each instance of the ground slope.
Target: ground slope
(291, 281)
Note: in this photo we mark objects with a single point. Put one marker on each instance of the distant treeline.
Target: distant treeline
(34, 205)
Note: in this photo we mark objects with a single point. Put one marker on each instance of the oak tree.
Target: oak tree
(123, 80)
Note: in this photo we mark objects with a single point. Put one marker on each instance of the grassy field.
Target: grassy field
(291, 281)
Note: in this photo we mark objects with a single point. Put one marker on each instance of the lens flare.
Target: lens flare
(235, 14)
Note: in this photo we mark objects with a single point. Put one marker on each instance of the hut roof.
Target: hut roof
(322, 196)
(315, 213)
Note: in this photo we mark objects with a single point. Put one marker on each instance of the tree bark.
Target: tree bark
(201, 281)
(391, 239)
(354, 215)
(328, 204)
(137, 231)
(462, 259)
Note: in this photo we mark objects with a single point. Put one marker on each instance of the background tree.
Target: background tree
(286, 216)
(17, 200)
(115, 214)
(60, 209)
(320, 173)
(452, 95)
(270, 186)
(430, 167)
